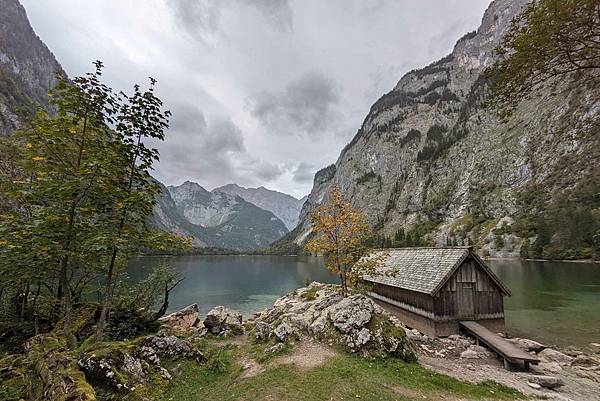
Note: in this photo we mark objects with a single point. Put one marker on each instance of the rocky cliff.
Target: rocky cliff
(429, 157)
(284, 206)
(216, 219)
(27, 67)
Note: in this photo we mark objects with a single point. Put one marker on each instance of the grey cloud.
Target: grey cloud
(306, 105)
(268, 171)
(201, 18)
(277, 12)
(223, 136)
(303, 173)
(198, 17)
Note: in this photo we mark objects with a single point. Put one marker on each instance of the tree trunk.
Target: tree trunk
(165, 305)
(107, 296)
(111, 266)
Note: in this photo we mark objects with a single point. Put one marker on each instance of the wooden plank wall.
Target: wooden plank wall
(416, 299)
(487, 296)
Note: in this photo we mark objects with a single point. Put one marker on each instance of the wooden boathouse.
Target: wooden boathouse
(433, 289)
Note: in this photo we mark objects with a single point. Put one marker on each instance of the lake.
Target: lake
(553, 302)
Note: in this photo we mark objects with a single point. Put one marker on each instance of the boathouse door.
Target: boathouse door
(464, 301)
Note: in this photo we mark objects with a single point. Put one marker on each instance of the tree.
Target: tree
(77, 195)
(140, 118)
(341, 236)
(64, 160)
(550, 38)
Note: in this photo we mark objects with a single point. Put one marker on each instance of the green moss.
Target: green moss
(310, 294)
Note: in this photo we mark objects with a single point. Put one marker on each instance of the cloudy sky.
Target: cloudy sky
(263, 92)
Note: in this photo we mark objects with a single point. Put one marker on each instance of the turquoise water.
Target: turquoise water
(244, 283)
(553, 302)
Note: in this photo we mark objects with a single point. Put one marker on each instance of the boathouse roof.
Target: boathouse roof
(424, 270)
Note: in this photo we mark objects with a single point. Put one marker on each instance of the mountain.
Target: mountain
(27, 67)
(432, 161)
(284, 206)
(216, 219)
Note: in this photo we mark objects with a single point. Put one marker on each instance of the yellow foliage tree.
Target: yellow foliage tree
(341, 236)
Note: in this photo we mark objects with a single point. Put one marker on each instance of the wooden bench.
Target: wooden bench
(508, 351)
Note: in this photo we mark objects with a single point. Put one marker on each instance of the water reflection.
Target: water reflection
(555, 302)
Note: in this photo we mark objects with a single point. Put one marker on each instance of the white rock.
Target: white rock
(550, 382)
(553, 355)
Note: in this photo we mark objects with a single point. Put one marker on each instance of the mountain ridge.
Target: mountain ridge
(284, 206)
(27, 67)
(430, 158)
(216, 219)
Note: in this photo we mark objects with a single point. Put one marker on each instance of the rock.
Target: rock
(363, 337)
(475, 352)
(262, 331)
(285, 332)
(221, 319)
(170, 347)
(164, 373)
(586, 361)
(352, 313)
(460, 341)
(354, 323)
(550, 382)
(595, 345)
(415, 335)
(148, 354)
(275, 348)
(550, 367)
(327, 301)
(98, 370)
(588, 374)
(318, 325)
(529, 345)
(552, 355)
(133, 368)
(183, 320)
(534, 385)
(469, 354)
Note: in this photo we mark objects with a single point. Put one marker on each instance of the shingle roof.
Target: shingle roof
(421, 269)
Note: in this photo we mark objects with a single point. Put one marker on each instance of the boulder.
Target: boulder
(529, 345)
(183, 320)
(148, 354)
(286, 332)
(355, 323)
(550, 382)
(552, 355)
(586, 361)
(171, 347)
(221, 320)
(328, 300)
(550, 367)
(318, 325)
(351, 313)
(132, 367)
(262, 331)
(588, 374)
(100, 371)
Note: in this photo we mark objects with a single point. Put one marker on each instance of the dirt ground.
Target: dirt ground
(477, 370)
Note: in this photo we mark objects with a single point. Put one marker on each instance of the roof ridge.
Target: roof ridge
(423, 247)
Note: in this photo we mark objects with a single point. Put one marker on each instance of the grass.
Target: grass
(344, 377)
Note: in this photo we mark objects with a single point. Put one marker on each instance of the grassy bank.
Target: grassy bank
(341, 377)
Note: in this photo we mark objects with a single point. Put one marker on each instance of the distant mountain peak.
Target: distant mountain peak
(284, 206)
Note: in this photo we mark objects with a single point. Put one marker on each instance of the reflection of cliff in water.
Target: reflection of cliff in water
(555, 302)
